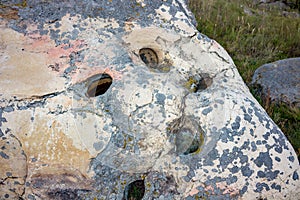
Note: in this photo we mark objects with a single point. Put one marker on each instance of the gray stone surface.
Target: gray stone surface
(279, 81)
(100, 99)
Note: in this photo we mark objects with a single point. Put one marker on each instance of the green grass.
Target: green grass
(263, 36)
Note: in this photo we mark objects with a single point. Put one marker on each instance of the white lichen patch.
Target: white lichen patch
(163, 12)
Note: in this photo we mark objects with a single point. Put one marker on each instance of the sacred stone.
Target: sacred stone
(127, 100)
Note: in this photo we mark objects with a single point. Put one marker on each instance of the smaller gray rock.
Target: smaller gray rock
(273, 4)
(279, 81)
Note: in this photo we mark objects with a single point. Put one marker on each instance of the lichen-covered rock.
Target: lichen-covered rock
(279, 81)
(126, 100)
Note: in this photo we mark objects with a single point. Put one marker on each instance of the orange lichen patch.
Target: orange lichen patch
(9, 13)
(40, 43)
(209, 188)
(60, 54)
(45, 43)
(232, 191)
(55, 55)
(193, 192)
(61, 51)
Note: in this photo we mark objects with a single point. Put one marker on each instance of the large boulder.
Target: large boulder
(127, 100)
(279, 81)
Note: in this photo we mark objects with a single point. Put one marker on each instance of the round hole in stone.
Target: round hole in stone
(193, 148)
(187, 142)
(149, 57)
(205, 82)
(198, 83)
(135, 190)
(100, 85)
